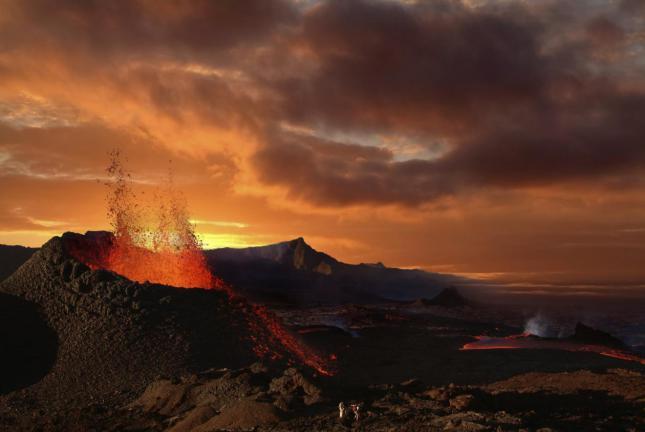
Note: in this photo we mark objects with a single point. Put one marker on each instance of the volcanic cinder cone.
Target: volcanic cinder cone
(113, 335)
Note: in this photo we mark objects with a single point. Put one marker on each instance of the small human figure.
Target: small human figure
(343, 415)
(356, 410)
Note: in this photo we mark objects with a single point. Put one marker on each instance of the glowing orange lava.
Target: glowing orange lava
(171, 254)
(289, 341)
(527, 341)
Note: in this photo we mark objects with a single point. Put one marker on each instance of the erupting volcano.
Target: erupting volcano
(158, 244)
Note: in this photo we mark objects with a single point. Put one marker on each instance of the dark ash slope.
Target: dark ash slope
(115, 336)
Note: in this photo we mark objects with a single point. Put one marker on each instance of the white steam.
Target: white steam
(540, 325)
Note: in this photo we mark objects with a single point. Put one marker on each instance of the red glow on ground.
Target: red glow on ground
(621, 355)
(288, 340)
(525, 341)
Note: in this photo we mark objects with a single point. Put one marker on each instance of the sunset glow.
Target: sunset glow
(519, 153)
(315, 215)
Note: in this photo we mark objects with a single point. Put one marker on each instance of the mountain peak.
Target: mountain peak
(304, 257)
(299, 243)
(295, 253)
(448, 297)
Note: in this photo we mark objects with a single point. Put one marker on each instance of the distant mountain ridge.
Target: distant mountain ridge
(294, 273)
(296, 253)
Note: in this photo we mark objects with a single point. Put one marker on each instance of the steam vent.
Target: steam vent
(104, 333)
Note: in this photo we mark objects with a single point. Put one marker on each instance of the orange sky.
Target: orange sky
(493, 138)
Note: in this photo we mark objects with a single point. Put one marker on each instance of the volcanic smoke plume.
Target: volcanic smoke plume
(157, 243)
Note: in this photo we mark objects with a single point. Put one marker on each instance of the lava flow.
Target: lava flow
(171, 254)
(528, 341)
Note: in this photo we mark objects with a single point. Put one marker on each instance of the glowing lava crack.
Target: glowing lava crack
(527, 341)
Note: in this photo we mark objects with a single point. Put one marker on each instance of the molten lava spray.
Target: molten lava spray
(158, 244)
(170, 252)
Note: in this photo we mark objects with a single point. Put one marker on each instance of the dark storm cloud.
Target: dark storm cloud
(604, 31)
(519, 93)
(176, 28)
(632, 6)
(325, 172)
(598, 134)
(178, 94)
(385, 65)
(518, 105)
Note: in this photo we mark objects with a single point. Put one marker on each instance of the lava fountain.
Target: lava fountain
(158, 244)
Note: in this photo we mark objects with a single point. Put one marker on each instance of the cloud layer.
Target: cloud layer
(332, 107)
(516, 93)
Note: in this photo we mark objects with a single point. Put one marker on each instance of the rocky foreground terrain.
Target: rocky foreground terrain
(259, 398)
(89, 350)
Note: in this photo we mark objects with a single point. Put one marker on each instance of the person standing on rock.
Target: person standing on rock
(356, 410)
(351, 415)
(343, 415)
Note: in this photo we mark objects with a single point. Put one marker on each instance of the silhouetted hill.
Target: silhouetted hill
(449, 297)
(294, 253)
(590, 335)
(12, 257)
(292, 272)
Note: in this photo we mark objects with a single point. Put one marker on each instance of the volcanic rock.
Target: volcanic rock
(454, 421)
(293, 382)
(115, 336)
(619, 383)
(12, 257)
(438, 394)
(28, 345)
(194, 419)
(461, 402)
(245, 414)
(242, 398)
